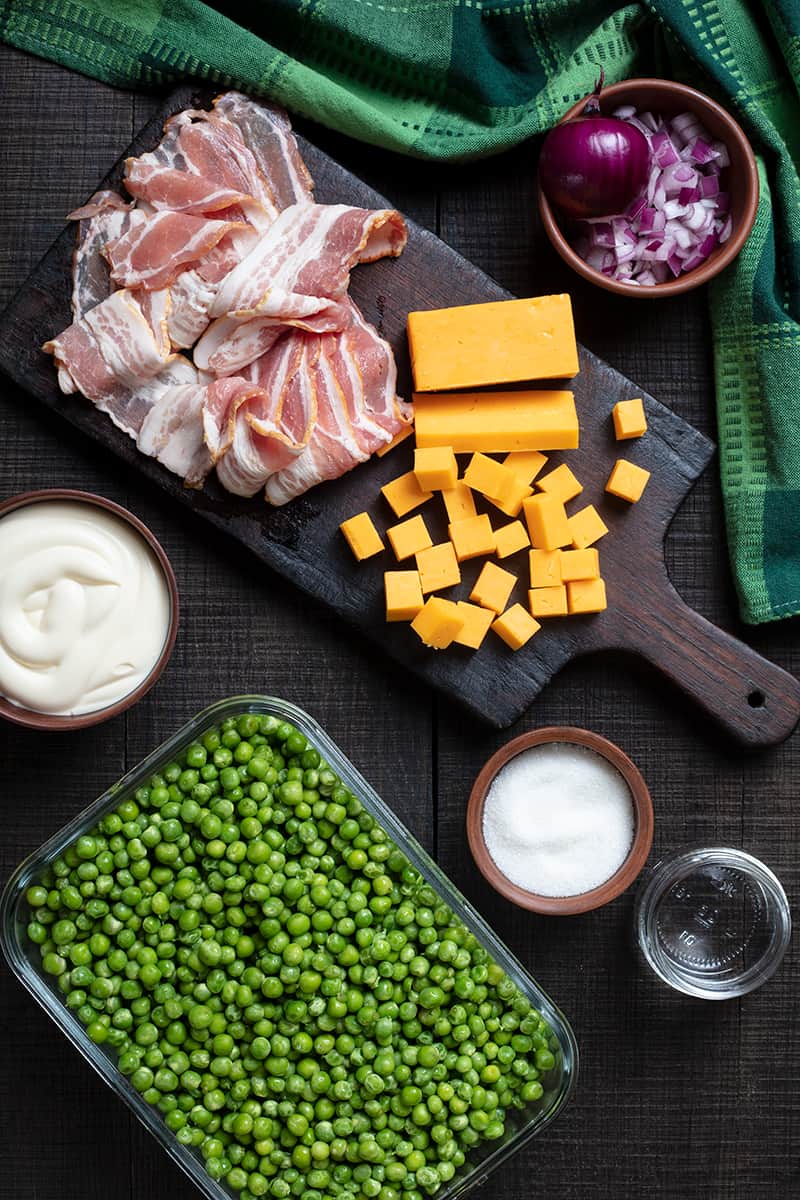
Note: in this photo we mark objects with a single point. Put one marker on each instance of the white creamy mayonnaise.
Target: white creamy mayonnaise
(84, 607)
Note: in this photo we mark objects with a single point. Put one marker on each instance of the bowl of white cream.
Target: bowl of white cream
(88, 609)
(560, 821)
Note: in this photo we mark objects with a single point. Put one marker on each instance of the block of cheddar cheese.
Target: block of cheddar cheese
(516, 626)
(403, 595)
(435, 468)
(361, 535)
(547, 522)
(493, 587)
(504, 341)
(586, 596)
(459, 502)
(629, 419)
(579, 564)
(476, 624)
(560, 483)
(438, 567)
(472, 537)
(496, 422)
(508, 539)
(585, 527)
(545, 567)
(404, 494)
(409, 537)
(438, 622)
(627, 480)
(548, 601)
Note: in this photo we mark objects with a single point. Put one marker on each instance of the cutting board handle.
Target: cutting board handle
(753, 700)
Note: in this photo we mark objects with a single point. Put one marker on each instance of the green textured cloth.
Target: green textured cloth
(450, 79)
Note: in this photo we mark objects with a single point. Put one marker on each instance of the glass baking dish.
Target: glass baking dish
(22, 955)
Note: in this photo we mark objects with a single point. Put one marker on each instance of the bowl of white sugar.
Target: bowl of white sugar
(560, 821)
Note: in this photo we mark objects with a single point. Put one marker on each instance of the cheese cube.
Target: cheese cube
(560, 483)
(435, 468)
(504, 341)
(438, 567)
(472, 537)
(459, 502)
(496, 422)
(548, 601)
(579, 564)
(547, 522)
(508, 539)
(404, 494)
(586, 526)
(586, 596)
(627, 480)
(525, 463)
(476, 624)
(362, 536)
(629, 419)
(409, 537)
(438, 622)
(490, 478)
(545, 567)
(516, 626)
(511, 503)
(403, 595)
(404, 433)
(493, 587)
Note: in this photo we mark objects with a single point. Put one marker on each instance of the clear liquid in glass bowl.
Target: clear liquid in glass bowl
(712, 923)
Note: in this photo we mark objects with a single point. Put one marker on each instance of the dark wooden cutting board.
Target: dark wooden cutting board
(755, 701)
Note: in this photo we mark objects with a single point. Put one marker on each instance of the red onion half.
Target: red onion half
(593, 165)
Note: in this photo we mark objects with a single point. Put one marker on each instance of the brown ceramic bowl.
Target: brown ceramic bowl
(643, 823)
(36, 720)
(740, 179)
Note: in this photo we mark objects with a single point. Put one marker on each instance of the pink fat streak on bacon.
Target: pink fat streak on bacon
(153, 252)
(256, 426)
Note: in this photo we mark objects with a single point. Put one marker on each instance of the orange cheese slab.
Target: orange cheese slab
(476, 624)
(505, 341)
(496, 422)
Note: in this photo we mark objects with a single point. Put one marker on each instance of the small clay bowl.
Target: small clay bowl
(19, 715)
(740, 179)
(642, 835)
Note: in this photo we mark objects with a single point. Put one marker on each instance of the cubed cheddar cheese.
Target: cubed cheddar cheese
(547, 522)
(516, 626)
(560, 483)
(476, 624)
(504, 341)
(472, 537)
(586, 596)
(545, 568)
(438, 622)
(579, 564)
(404, 494)
(525, 463)
(459, 502)
(585, 527)
(403, 595)
(435, 468)
(496, 422)
(511, 504)
(629, 419)
(548, 601)
(438, 567)
(508, 539)
(490, 478)
(362, 536)
(627, 481)
(404, 433)
(409, 537)
(493, 587)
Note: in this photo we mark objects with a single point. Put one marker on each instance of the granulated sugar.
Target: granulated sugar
(558, 819)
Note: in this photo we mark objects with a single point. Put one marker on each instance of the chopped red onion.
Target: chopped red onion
(679, 218)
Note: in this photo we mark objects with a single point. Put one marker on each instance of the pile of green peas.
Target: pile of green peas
(279, 981)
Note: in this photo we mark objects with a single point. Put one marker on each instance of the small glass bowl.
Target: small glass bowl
(713, 922)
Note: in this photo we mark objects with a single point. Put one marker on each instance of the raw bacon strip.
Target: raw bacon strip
(172, 432)
(310, 249)
(153, 253)
(358, 410)
(255, 427)
(104, 217)
(268, 132)
(194, 290)
(230, 345)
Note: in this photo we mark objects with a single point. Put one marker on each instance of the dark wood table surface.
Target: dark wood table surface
(676, 1098)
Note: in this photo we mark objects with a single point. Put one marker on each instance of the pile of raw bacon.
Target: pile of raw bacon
(223, 251)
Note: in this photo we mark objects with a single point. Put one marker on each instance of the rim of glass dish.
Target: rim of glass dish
(669, 871)
(106, 1066)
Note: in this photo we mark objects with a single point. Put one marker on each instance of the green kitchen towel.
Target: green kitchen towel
(452, 79)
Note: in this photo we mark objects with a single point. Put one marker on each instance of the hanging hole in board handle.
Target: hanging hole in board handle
(756, 699)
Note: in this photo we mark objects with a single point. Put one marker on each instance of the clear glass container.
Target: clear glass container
(23, 956)
(712, 922)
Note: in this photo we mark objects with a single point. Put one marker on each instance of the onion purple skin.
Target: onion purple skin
(593, 166)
